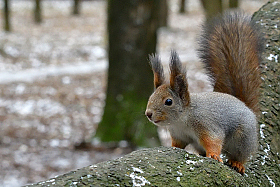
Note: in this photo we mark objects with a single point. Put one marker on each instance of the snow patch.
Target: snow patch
(179, 173)
(261, 130)
(271, 57)
(190, 162)
(41, 107)
(137, 170)
(266, 150)
(138, 180)
(270, 180)
(33, 74)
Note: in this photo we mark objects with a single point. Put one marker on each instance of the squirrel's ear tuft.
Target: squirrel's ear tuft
(157, 70)
(178, 79)
(175, 68)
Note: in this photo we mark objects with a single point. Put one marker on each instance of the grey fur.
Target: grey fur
(214, 122)
(228, 118)
(221, 115)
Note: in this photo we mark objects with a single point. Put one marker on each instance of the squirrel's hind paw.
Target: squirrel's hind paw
(238, 166)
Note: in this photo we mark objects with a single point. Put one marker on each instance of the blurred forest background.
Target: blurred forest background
(53, 78)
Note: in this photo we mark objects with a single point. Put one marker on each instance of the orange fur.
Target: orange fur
(237, 165)
(178, 143)
(230, 49)
(213, 146)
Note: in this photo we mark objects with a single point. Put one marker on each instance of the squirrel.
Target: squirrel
(222, 121)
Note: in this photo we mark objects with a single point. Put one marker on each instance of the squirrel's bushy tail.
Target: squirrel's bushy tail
(230, 47)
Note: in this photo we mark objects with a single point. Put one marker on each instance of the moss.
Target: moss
(267, 160)
(130, 79)
(125, 120)
(159, 166)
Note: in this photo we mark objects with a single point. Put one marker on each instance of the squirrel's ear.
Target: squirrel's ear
(178, 79)
(157, 69)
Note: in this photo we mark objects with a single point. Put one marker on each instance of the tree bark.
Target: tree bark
(163, 14)
(233, 3)
(160, 166)
(132, 27)
(267, 162)
(163, 166)
(38, 12)
(76, 7)
(6, 12)
(212, 8)
(182, 7)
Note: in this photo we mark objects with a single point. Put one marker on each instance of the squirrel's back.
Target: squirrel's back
(222, 110)
(230, 47)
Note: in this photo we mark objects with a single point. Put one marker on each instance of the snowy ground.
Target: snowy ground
(52, 83)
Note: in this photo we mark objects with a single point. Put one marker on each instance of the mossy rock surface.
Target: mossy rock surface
(160, 166)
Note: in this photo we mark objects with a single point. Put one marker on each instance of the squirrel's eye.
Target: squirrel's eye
(168, 102)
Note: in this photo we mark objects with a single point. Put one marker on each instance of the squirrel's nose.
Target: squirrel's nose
(149, 114)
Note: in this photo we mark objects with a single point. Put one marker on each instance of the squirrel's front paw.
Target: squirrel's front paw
(238, 166)
(214, 156)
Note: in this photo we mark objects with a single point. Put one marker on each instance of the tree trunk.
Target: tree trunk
(233, 3)
(267, 162)
(163, 166)
(132, 27)
(182, 7)
(76, 7)
(37, 12)
(212, 8)
(7, 16)
(163, 14)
